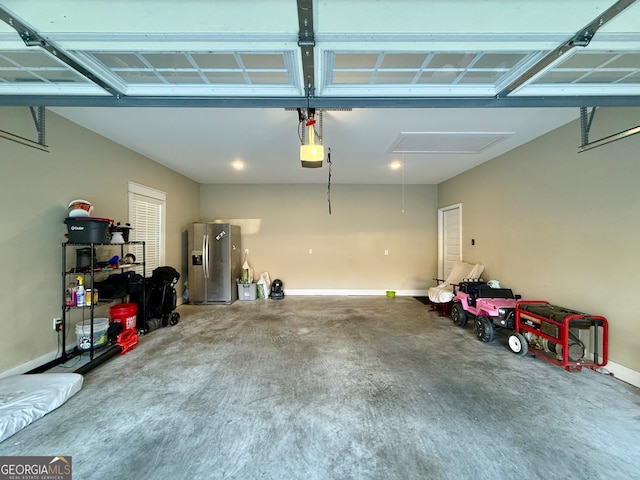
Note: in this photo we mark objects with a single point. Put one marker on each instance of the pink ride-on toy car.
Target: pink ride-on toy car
(488, 307)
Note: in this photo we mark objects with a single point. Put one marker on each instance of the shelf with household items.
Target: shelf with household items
(106, 282)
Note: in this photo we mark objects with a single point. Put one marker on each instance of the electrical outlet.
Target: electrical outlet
(57, 324)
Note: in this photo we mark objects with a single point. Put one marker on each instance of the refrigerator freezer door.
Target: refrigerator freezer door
(197, 262)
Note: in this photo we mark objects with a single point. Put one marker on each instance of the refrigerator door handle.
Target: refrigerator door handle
(205, 255)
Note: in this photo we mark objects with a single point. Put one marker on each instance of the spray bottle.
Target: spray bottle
(69, 296)
(80, 293)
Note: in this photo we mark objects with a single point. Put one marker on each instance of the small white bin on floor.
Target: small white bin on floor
(83, 333)
(247, 291)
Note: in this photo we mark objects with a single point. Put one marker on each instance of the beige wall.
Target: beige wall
(547, 222)
(36, 188)
(560, 226)
(280, 223)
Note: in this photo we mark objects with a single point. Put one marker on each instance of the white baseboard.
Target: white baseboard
(348, 292)
(30, 365)
(621, 372)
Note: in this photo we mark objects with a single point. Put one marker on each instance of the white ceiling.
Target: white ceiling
(196, 85)
(202, 143)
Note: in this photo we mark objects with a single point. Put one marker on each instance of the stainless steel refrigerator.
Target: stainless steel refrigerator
(215, 262)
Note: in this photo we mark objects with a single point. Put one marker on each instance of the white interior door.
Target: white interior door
(449, 238)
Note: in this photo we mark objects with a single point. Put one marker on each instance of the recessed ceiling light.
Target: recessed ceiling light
(238, 165)
(395, 165)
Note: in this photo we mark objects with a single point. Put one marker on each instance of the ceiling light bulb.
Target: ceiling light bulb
(395, 165)
(238, 165)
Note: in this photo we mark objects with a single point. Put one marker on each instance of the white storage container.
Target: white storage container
(83, 333)
(247, 291)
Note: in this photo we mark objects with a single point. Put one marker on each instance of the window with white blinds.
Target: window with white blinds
(147, 218)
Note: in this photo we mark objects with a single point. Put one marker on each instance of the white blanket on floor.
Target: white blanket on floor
(26, 398)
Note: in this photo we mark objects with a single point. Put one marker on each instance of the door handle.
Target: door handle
(205, 255)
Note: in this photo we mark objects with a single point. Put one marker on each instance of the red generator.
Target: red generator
(559, 335)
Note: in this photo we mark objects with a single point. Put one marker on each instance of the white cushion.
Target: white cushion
(440, 295)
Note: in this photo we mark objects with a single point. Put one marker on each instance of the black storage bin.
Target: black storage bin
(88, 229)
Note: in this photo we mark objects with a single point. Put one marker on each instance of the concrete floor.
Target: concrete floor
(336, 388)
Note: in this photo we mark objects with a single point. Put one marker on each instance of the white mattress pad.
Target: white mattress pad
(26, 398)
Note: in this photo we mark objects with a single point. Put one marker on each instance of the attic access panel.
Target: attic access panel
(446, 142)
